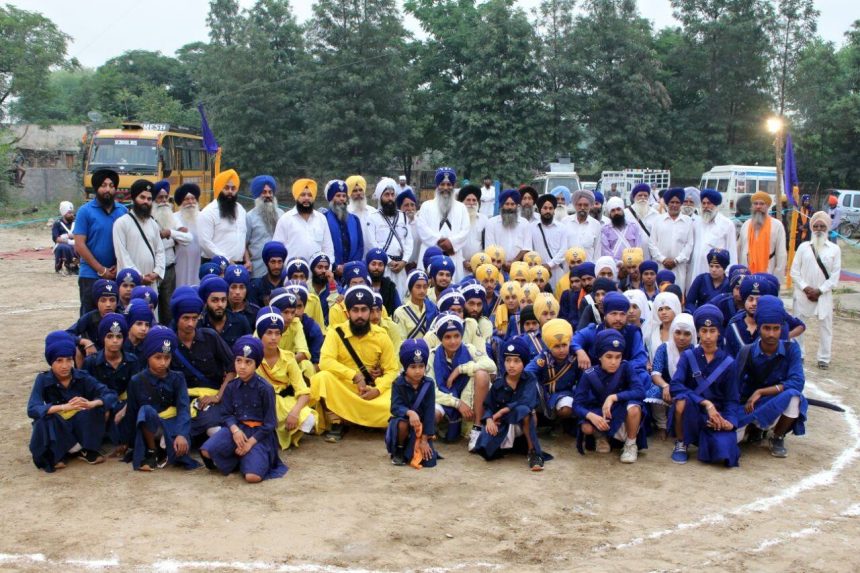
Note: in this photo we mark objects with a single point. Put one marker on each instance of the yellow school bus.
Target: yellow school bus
(153, 152)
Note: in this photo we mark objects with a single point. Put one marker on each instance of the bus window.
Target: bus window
(722, 185)
(750, 186)
(124, 154)
(166, 155)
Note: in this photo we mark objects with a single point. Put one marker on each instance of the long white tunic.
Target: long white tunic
(719, 233)
(432, 229)
(511, 240)
(187, 254)
(394, 236)
(551, 245)
(366, 226)
(805, 272)
(673, 239)
(585, 235)
(131, 250)
(304, 238)
(475, 241)
(488, 201)
(219, 236)
(777, 262)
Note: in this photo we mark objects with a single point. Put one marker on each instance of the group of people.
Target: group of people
(236, 333)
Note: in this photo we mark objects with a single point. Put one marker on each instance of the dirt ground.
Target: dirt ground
(345, 508)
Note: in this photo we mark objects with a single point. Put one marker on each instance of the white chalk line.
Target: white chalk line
(816, 480)
(812, 529)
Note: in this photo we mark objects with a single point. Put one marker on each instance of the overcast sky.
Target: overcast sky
(107, 28)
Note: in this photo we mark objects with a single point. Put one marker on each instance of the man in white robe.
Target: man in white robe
(712, 230)
(671, 242)
(509, 230)
(357, 191)
(444, 222)
(391, 232)
(187, 255)
(584, 229)
(641, 212)
(550, 237)
(471, 196)
(488, 197)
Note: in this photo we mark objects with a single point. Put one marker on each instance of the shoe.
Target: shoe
(823, 365)
(777, 447)
(334, 434)
(473, 437)
(679, 454)
(161, 458)
(210, 465)
(630, 453)
(399, 456)
(92, 457)
(149, 463)
(535, 461)
(754, 434)
(603, 446)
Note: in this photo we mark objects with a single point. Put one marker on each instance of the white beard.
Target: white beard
(819, 240)
(358, 205)
(560, 213)
(268, 213)
(163, 215)
(189, 215)
(640, 208)
(444, 202)
(473, 213)
(688, 210)
(708, 216)
(527, 212)
(758, 219)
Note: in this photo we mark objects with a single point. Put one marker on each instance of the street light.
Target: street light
(774, 125)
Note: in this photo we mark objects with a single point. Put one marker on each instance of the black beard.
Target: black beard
(617, 220)
(389, 209)
(105, 200)
(142, 211)
(227, 206)
(217, 314)
(305, 209)
(547, 219)
(376, 276)
(319, 280)
(359, 330)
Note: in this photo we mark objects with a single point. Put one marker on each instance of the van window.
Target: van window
(722, 185)
(856, 200)
(846, 200)
(750, 186)
(702, 184)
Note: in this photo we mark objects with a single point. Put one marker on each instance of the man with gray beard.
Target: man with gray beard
(509, 230)
(346, 232)
(761, 243)
(528, 199)
(185, 219)
(712, 230)
(171, 236)
(443, 222)
(261, 220)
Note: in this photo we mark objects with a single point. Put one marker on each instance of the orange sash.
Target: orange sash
(758, 247)
(252, 423)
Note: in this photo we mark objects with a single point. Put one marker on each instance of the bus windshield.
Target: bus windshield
(553, 181)
(124, 154)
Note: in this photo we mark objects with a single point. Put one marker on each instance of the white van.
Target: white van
(736, 183)
(560, 173)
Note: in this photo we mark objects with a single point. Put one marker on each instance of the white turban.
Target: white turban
(65, 207)
(385, 183)
(614, 203)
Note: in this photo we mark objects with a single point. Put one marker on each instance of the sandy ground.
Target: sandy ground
(345, 508)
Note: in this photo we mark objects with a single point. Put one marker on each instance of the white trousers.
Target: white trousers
(825, 336)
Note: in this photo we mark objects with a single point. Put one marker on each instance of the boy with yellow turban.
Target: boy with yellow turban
(556, 370)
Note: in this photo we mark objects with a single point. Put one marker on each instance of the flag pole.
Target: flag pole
(792, 242)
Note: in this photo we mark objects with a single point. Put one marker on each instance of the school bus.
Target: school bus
(152, 152)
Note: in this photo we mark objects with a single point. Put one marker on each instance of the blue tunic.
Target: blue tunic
(261, 290)
(534, 343)
(235, 326)
(347, 238)
(521, 400)
(245, 405)
(87, 327)
(404, 397)
(660, 364)
(702, 290)
(634, 348)
(53, 436)
(737, 334)
(556, 379)
(693, 382)
(314, 337)
(568, 309)
(117, 379)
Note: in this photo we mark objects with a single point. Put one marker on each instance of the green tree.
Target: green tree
(796, 23)
(66, 99)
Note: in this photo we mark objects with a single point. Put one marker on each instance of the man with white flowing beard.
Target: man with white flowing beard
(444, 222)
(692, 203)
(391, 232)
(563, 206)
(712, 230)
(261, 220)
(471, 196)
(815, 274)
(171, 236)
(585, 230)
(357, 191)
(187, 255)
(641, 212)
(762, 239)
(509, 230)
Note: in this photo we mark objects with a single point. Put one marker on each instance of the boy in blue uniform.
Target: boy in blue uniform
(158, 407)
(705, 396)
(771, 380)
(591, 308)
(708, 285)
(139, 318)
(247, 440)
(127, 280)
(239, 284)
(509, 410)
(86, 329)
(274, 256)
(742, 327)
(217, 314)
(608, 399)
(148, 294)
(67, 407)
(555, 370)
(412, 427)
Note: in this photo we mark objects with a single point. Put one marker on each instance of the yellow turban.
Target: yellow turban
(532, 258)
(545, 302)
(222, 178)
(575, 256)
(538, 272)
(519, 271)
(762, 196)
(530, 293)
(632, 256)
(562, 285)
(509, 289)
(299, 186)
(355, 180)
(496, 252)
(486, 272)
(479, 259)
(556, 331)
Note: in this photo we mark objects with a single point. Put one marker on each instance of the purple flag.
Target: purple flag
(789, 171)
(209, 142)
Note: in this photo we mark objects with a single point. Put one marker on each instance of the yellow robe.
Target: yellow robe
(334, 382)
(393, 333)
(285, 374)
(313, 308)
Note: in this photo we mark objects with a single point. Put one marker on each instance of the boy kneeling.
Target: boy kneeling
(412, 426)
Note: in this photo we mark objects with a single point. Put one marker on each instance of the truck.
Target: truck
(559, 173)
(620, 183)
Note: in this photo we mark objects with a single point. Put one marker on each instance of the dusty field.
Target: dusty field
(345, 508)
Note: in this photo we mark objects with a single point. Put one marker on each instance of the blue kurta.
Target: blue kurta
(347, 238)
(521, 400)
(556, 379)
(702, 290)
(568, 307)
(313, 336)
(117, 379)
(634, 348)
(404, 397)
(261, 289)
(722, 391)
(738, 335)
(596, 385)
(87, 327)
(235, 326)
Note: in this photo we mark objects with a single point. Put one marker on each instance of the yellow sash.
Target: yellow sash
(168, 413)
(197, 393)
(67, 414)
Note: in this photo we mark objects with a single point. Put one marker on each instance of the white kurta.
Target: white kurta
(585, 235)
(805, 272)
(304, 238)
(431, 229)
(779, 257)
(488, 201)
(718, 234)
(652, 217)
(557, 239)
(366, 226)
(219, 236)
(475, 241)
(511, 240)
(132, 251)
(394, 236)
(187, 254)
(672, 239)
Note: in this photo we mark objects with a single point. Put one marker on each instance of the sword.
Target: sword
(825, 405)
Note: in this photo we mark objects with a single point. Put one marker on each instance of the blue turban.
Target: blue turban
(584, 270)
(448, 322)
(769, 310)
(184, 290)
(737, 276)
(509, 194)
(440, 263)
(474, 290)
(639, 188)
(516, 347)
(159, 339)
(268, 317)
(414, 351)
(735, 268)
(604, 284)
(598, 197)
(159, 186)
(103, 287)
(146, 294)
(112, 323)
(648, 266)
(298, 266)
(353, 270)
(614, 301)
(376, 255)
(712, 195)
(719, 256)
(59, 344)
(609, 340)
(185, 304)
(665, 276)
(450, 297)
(358, 294)
(299, 289)
(129, 276)
(676, 192)
(708, 315)
(237, 274)
(561, 191)
(445, 174)
(138, 310)
(377, 300)
(754, 285)
(282, 299)
(274, 249)
(207, 269)
(212, 285)
(222, 263)
(319, 258)
(431, 252)
(414, 277)
(248, 346)
(403, 196)
(260, 181)
(334, 187)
